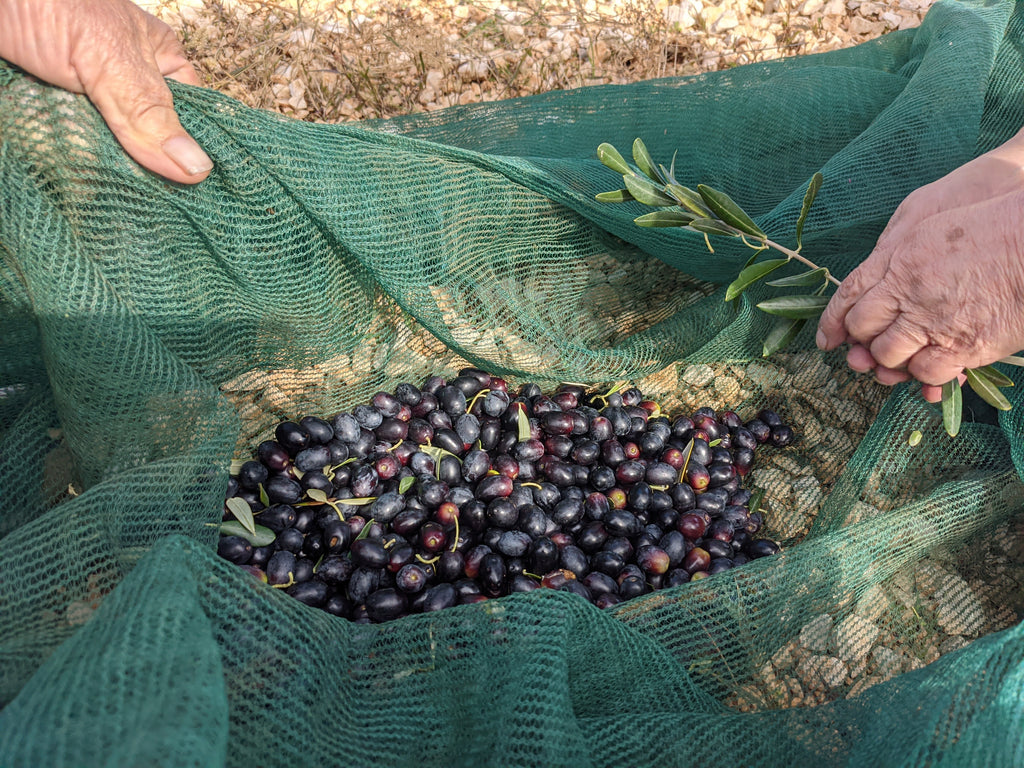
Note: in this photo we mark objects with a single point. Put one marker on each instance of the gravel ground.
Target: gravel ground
(336, 61)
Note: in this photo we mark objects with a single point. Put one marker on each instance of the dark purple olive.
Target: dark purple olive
(762, 548)
(234, 548)
(312, 593)
(438, 597)
(492, 574)
(385, 604)
(291, 436)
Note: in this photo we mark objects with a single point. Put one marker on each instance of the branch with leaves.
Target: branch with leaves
(711, 212)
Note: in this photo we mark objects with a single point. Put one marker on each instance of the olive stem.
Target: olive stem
(802, 259)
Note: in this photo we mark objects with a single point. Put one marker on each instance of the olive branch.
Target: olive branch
(711, 212)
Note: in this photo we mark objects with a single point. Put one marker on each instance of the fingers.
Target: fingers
(832, 326)
(935, 366)
(128, 89)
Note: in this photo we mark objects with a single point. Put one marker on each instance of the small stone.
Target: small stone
(78, 613)
(727, 388)
(873, 604)
(821, 673)
(811, 7)
(854, 638)
(727, 20)
(698, 375)
(807, 495)
(957, 609)
(887, 662)
(816, 634)
(861, 26)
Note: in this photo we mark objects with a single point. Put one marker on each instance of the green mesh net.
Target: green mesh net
(152, 332)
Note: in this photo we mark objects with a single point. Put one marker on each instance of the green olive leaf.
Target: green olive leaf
(994, 375)
(812, 191)
(751, 275)
(357, 502)
(712, 227)
(986, 390)
(523, 424)
(647, 192)
(755, 500)
(242, 512)
(643, 161)
(365, 530)
(664, 219)
(687, 453)
(317, 495)
(807, 279)
(1013, 360)
(609, 156)
(259, 536)
(781, 335)
(795, 307)
(616, 196)
(690, 200)
(728, 211)
(952, 407)
(236, 466)
(264, 498)
(405, 484)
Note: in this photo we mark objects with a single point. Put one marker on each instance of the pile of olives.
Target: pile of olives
(458, 491)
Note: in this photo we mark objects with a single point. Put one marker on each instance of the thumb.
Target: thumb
(131, 95)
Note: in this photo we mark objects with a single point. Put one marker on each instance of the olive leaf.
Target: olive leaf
(751, 275)
(236, 466)
(523, 424)
(664, 219)
(643, 161)
(804, 279)
(809, 195)
(647, 192)
(616, 196)
(952, 407)
(728, 211)
(712, 227)
(242, 512)
(687, 453)
(994, 375)
(317, 495)
(796, 307)
(264, 498)
(259, 536)
(610, 157)
(755, 500)
(357, 502)
(781, 335)
(365, 530)
(405, 484)
(690, 200)
(988, 391)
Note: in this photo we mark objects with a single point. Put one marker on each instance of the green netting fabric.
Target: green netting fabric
(153, 332)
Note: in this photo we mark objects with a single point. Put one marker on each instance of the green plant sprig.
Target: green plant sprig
(711, 212)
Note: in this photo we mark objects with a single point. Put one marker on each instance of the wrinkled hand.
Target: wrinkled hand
(943, 289)
(116, 54)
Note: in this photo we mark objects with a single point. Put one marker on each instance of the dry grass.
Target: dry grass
(353, 59)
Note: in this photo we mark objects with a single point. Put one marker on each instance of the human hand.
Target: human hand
(117, 55)
(943, 289)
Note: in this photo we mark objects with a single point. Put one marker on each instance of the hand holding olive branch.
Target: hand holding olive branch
(712, 212)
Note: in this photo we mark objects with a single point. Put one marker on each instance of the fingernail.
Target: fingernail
(187, 155)
(820, 339)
